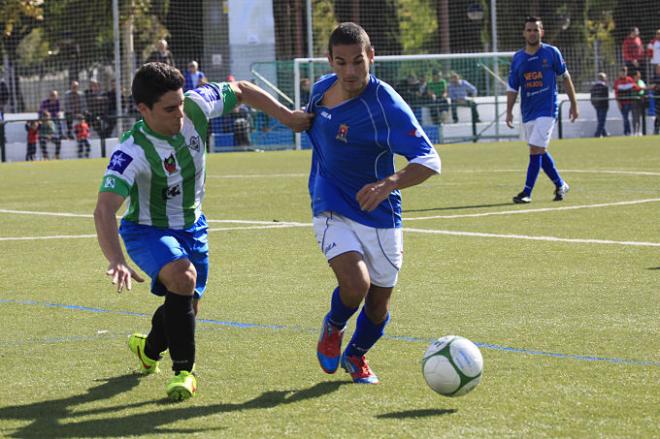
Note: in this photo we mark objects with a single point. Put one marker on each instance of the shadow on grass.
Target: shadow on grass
(57, 418)
(439, 209)
(420, 413)
(654, 268)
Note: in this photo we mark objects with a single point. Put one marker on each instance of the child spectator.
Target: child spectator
(82, 136)
(46, 134)
(32, 128)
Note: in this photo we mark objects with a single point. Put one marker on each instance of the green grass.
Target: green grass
(67, 369)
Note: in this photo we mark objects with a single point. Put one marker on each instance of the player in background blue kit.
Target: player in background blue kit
(360, 123)
(534, 71)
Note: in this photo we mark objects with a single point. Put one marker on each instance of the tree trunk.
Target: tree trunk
(442, 14)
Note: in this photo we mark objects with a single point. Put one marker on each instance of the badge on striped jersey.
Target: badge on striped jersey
(119, 161)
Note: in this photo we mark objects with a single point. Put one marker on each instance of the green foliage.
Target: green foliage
(323, 21)
(17, 19)
(32, 49)
(418, 25)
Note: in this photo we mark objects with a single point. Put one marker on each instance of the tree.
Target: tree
(17, 19)
(379, 18)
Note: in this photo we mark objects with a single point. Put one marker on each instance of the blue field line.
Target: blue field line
(490, 346)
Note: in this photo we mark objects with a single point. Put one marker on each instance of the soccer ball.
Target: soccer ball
(452, 365)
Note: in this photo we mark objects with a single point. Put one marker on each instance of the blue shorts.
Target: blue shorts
(151, 248)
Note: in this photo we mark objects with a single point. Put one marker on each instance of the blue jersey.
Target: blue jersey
(536, 78)
(354, 144)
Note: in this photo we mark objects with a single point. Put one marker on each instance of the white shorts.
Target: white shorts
(539, 131)
(382, 249)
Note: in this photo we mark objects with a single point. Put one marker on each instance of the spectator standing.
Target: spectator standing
(459, 90)
(242, 125)
(624, 89)
(52, 105)
(110, 116)
(82, 137)
(656, 92)
(161, 54)
(654, 54)
(97, 106)
(437, 88)
(600, 93)
(4, 98)
(410, 92)
(633, 51)
(74, 103)
(193, 77)
(47, 134)
(639, 104)
(32, 128)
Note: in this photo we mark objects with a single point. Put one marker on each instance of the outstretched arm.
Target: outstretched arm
(107, 234)
(371, 195)
(256, 97)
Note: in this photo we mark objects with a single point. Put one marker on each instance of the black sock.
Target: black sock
(157, 339)
(180, 331)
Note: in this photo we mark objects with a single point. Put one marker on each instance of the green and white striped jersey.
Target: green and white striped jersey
(163, 177)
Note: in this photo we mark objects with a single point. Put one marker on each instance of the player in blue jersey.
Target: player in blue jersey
(160, 167)
(360, 124)
(534, 71)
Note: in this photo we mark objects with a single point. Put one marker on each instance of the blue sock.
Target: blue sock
(339, 313)
(551, 170)
(533, 170)
(366, 334)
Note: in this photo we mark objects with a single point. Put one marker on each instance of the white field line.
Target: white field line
(29, 212)
(35, 238)
(534, 238)
(466, 171)
(571, 171)
(407, 230)
(258, 176)
(543, 209)
(224, 229)
(272, 226)
(88, 215)
(466, 215)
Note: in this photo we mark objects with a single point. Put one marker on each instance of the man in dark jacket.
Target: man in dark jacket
(600, 93)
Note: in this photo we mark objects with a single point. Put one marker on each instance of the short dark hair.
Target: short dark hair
(153, 80)
(532, 19)
(347, 34)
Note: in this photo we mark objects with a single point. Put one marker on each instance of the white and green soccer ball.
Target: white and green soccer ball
(452, 365)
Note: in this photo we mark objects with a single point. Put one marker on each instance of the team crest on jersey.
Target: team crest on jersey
(342, 133)
(171, 192)
(170, 164)
(119, 161)
(194, 143)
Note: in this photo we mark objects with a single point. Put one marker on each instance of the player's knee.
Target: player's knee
(355, 286)
(179, 277)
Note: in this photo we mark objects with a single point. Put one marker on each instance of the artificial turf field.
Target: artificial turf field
(562, 298)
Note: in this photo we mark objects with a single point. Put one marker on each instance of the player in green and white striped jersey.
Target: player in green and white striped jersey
(160, 167)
